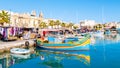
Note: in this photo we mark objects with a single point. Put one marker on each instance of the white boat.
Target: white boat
(19, 51)
(98, 34)
(21, 56)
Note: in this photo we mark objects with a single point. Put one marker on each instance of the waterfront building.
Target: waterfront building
(87, 23)
(29, 20)
(111, 24)
(118, 25)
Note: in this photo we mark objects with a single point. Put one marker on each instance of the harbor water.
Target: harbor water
(103, 53)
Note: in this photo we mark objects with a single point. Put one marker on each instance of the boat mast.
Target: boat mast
(104, 40)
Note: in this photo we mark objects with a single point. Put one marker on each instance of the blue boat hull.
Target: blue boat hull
(82, 44)
(77, 48)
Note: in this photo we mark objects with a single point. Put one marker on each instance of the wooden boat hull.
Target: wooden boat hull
(65, 46)
(80, 48)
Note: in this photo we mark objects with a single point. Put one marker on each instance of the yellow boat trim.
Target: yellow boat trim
(84, 44)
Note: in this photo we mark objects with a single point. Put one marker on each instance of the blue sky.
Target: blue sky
(68, 10)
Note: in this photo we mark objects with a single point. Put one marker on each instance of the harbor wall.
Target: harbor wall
(6, 46)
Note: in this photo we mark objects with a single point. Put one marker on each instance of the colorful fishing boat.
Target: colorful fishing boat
(67, 44)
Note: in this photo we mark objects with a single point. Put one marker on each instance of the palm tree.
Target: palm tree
(51, 23)
(63, 25)
(95, 27)
(57, 23)
(4, 17)
(42, 25)
(75, 27)
(70, 25)
(104, 25)
(67, 25)
(99, 26)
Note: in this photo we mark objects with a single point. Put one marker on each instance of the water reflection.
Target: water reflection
(49, 59)
(8, 59)
(56, 59)
(20, 56)
(103, 57)
(4, 60)
(112, 38)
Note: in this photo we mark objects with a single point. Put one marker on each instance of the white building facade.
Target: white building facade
(24, 19)
(87, 23)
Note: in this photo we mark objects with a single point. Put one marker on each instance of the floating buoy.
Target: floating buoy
(42, 57)
(35, 43)
(27, 43)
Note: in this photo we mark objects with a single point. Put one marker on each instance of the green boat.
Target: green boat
(66, 44)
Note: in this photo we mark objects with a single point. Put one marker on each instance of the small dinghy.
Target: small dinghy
(26, 56)
(19, 51)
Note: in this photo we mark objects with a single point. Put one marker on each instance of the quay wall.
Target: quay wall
(6, 46)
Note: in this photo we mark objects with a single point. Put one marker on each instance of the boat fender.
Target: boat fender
(35, 43)
(27, 43)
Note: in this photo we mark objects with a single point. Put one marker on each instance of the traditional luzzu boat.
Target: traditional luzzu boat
(68, 44)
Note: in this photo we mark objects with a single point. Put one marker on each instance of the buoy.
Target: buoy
(27, 43)
(35, 43)
(42, 57)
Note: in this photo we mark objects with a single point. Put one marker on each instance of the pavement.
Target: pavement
(11, 44)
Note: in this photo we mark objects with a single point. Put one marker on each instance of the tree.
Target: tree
(63, 24)
(95, 27)
(42, 25)
(57, 23)
(4, 17)
(99, 26)
(75, 27)
(70, 25)
(51, 23)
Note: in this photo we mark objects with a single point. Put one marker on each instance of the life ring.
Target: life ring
(27, 43)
